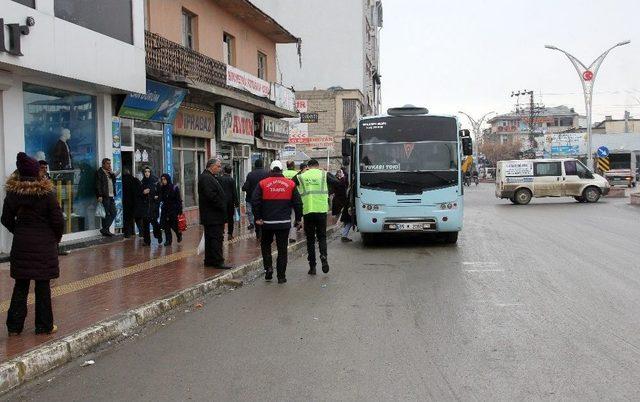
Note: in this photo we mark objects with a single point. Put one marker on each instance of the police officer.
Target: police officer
(313, 185)
(272, 201)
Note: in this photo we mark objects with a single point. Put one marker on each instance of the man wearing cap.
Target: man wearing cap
(272, 201)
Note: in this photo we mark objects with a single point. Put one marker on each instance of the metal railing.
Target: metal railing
(167, 57)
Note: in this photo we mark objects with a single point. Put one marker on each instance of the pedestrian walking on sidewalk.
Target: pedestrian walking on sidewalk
(149, 207)
(339, 193)
(291, 170)
(105, 191)
(273, 201)
(32, 214)
(251, 182)
(231, 197)
(313, 186)
(213, 214)
(171, 207)
(131, 199)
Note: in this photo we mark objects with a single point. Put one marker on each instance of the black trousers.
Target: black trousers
(168, 225)
(110, 208)
(230, 222)
(129, 225)
(157, 230)
(282, 243)
(18, 308)
(315, 227)
(213, 238)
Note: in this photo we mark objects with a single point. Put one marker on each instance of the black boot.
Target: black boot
(268, 275)
(312, 269)
(325, 264)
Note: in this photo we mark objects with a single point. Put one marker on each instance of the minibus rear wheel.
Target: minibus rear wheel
(523, 196)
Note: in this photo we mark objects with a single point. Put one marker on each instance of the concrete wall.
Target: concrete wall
(58, 47)
(165, 19)
(332, 42)
(616, 126)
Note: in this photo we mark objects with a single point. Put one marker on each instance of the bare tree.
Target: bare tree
(495, 151)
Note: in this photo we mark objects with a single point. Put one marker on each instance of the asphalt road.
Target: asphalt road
(536, 302)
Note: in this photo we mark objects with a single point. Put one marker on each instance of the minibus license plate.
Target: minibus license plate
(411, 226)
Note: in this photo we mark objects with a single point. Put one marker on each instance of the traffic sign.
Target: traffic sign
(603, 164)
(603, 152)
(587, 75)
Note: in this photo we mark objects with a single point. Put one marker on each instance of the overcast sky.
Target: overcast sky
(470, 55)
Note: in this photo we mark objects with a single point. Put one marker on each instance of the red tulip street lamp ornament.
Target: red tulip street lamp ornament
(587, 78)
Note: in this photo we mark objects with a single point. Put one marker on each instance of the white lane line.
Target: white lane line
(479, 263)
(484, 270)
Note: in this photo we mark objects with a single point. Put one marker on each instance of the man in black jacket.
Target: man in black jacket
(272, 201)
(231, 196)
(253, 178)
(105, 191)
(213, 213)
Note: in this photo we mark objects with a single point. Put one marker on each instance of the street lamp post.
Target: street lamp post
(588, 78)
(476, 126)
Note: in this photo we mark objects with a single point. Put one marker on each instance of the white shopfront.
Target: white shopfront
(56, 85)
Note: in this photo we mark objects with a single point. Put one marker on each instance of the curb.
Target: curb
(54, 354)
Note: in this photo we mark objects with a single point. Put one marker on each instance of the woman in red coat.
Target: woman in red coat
(31, 212)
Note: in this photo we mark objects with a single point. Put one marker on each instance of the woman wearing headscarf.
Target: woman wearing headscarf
(150, 207)
(32, 214)
(170, 209)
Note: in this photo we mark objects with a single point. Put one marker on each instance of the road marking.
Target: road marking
(508, 304)
(484, 270)
(479, 263)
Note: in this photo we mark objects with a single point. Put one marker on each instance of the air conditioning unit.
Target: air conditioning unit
(246, 151)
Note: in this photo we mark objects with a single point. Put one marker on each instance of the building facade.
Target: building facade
(61, 63)
(346, 33)
(222, 54)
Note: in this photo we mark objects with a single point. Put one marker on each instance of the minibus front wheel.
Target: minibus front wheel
(591, 194)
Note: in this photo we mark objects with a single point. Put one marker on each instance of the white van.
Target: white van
(520, 180)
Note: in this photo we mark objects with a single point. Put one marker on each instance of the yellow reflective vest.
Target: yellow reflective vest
(314, 192)
(289, 173)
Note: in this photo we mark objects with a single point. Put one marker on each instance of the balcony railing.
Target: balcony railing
(167, 57)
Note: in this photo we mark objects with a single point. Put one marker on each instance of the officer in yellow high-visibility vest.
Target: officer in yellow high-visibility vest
(313, 186)
(291, 170)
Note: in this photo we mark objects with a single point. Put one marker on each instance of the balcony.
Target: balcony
(209, 78)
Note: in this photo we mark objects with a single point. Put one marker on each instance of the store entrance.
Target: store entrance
(127, 161)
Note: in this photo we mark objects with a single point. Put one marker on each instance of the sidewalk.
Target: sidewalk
(100, 282)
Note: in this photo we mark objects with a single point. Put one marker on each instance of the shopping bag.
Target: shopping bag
(201, 245)
(182, 222)
(100, 212)
(236, 215)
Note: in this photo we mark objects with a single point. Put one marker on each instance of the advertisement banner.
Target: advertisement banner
(117, 167)
(298, 132)
(168, 149)
(160, 103)
(288, 151)
(273, 129)
(237, 78)
(320, 141)
(236, 125)
(518, 168)
(283, 97)
(194, 123)
(302, 105)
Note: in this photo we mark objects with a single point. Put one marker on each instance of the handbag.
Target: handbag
(100, 212)
(182, 222)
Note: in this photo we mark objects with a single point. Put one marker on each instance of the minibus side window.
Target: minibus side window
(570, 168)
(547, 169)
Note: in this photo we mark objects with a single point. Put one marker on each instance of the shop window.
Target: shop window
(262, 66)
(60, 127)
(28, 3)
(188, 162)
(148, 152)
(113, 18)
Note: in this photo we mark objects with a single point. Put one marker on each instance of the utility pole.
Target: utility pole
(533, 112)
(587, 79)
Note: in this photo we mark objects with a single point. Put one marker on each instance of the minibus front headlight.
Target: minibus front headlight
(449, 205)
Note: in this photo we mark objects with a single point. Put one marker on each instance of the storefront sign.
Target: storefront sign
(302, 105)
(117, 167)
(194, 123)
(273, 129)
(15, 34)
(235, 125)
(263, 144)
(242, 80)
(288, 151)
(298, 132)
(320, 141)
(168, 149)
(308, 117)
(160, 103)
(283, 97)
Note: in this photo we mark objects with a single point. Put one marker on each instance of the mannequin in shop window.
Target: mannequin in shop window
(61, 153)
